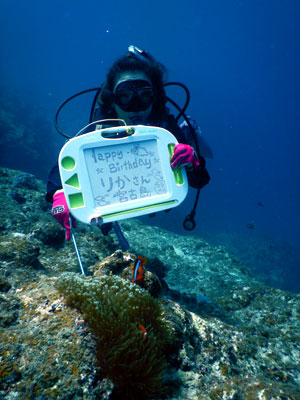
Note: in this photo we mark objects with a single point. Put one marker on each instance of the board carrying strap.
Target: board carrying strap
(76, 247)
(121, 238)
(118, 231)
(105, 228)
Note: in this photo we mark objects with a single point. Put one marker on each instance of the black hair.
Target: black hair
(130, 62)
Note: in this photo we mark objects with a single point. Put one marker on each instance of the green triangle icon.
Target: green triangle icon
(73, 181)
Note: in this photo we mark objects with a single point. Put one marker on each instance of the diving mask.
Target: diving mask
(134, 95)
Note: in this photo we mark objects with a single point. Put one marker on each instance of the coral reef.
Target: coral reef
(232, 337)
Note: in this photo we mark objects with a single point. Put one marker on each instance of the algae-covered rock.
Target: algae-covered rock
(231, 336)
(25, 180)
(47, 352)
(113, 264)
(9, 310)
(4, 285)
(51, 234)
(19, 249)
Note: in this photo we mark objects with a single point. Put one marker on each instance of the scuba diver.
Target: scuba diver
(134, 91)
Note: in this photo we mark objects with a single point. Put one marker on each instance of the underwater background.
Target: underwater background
(240, 60)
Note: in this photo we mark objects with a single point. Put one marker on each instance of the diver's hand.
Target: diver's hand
(60, 212)
(184, 156)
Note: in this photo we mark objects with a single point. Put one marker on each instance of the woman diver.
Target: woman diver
(134, 91)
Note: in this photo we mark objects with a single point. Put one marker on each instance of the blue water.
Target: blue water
(241, 62)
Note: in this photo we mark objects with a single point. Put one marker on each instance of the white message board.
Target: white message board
(111, 175)
(131, 172)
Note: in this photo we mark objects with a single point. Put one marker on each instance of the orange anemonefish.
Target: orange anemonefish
(138, 270)
(143, 329)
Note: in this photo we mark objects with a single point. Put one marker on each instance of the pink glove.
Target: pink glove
(184, 156)
(60, 212)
